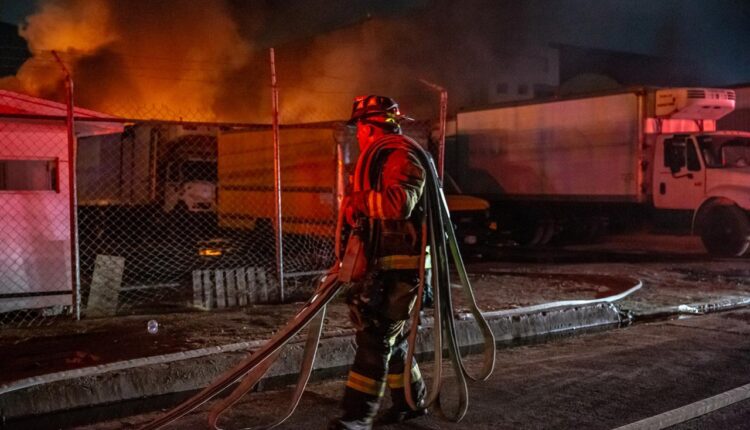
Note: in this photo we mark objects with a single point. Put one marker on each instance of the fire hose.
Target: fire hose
(438, 227)
(442, 242)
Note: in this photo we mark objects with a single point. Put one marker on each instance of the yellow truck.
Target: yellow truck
(309, 180)
(316, 161)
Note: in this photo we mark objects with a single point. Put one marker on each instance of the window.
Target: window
(173, 172)
(28, 175)
(501, 88)
(199, 170)
(736, 155)
(523, 89)
(674, 154)
(724, 151)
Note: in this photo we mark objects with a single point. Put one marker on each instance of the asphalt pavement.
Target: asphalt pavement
(593, 381)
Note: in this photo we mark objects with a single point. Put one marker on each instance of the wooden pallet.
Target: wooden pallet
(224, 288)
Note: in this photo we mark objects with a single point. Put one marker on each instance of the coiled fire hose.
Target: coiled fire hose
(442, 241)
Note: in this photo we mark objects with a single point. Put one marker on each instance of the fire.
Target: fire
(194, 60)
(135, 59)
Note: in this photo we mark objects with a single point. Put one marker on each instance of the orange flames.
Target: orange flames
(191, 60)
(139, 59)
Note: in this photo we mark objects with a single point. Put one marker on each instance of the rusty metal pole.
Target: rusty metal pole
(73, 191)
(277, 179)
(441, 141)
(443, 118)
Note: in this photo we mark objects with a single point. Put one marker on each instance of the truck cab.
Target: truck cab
(708, 173)
(700, 169)
(190, 185)
(190, 172)
(693, 167)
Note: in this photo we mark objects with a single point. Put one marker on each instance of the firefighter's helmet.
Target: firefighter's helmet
(377, 110)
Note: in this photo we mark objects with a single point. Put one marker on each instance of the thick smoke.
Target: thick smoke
(71, 29)
(191, 59)
(156, 59)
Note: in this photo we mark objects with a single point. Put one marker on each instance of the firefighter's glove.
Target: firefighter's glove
(354, 207)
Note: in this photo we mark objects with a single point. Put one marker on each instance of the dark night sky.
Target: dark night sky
(13, 11)
(713, 35)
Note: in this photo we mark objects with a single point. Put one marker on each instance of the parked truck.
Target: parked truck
(309, 180)
(577, 164)
(316, 162)
(167, 168)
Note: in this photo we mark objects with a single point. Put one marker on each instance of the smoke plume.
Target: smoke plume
(199, 59)
(153, 59)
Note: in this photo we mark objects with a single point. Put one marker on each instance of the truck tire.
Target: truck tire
(533, 233)
(550, 230)
(726, 231)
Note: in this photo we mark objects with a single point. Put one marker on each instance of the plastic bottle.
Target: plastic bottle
(152, 326)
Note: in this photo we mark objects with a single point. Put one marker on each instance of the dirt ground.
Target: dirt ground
(674, 270)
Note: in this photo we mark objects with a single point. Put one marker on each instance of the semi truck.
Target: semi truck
(575, 165)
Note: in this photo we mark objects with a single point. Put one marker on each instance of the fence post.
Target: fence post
(72, 154)
(277, 179)
(443, 117)
(340, 178)
(441, 141)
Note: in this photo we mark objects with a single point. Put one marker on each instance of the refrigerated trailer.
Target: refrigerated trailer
(577, 164)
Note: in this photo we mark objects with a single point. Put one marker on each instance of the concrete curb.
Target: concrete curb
(192, 370)
(725, 304)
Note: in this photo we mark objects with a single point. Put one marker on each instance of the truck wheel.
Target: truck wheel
(726, 232)
(533, 233)
(550, 229)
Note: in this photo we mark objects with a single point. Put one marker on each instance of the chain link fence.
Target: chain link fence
(171, 216)
(176, 216)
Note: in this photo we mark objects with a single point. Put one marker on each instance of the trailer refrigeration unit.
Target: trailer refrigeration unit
(576, 164)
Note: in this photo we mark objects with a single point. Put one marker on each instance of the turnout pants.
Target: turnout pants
(379, 311)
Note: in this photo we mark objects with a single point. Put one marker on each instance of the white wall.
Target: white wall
(34, 225)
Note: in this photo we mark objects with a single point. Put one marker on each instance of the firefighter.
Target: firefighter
(380, 305)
